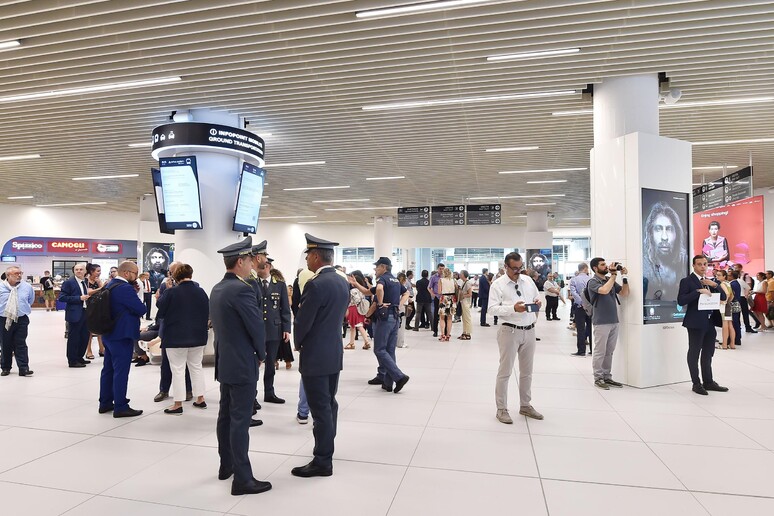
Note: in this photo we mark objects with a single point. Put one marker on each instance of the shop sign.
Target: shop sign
(102, 247)
(68, 246)
(28, 246)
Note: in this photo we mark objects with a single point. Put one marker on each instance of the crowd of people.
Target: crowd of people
(251, 314)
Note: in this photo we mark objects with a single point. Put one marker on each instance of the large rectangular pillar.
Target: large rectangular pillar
(647, 354)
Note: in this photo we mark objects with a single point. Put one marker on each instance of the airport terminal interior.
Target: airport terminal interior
(426, 132)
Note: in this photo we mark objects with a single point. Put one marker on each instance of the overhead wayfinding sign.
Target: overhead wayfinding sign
(416, 216)
(448, 215)
(484, 214)
(192, 136)
(734, 187)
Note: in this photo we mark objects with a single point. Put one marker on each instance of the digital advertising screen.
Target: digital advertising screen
(156, 257)
(665, 256)
(180, 193)
(539, 260)
(248, 206)
(731, 234)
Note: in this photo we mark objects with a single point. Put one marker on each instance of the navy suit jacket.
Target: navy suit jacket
(483, 287)
(71, 294)
(275, 307)
(317, 330)
(688, 296)
(239, 332)
(126, 310)
(185, 310)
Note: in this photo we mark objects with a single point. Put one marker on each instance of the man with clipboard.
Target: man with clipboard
(700, 325)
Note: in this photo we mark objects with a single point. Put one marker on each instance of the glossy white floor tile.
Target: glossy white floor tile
(434, 448)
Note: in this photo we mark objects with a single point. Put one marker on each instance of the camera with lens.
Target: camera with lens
(615, 266)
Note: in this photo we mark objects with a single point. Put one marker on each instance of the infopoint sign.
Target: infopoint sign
(41, 246)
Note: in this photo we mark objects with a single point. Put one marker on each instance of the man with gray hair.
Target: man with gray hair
(581, 318)
(16, 298)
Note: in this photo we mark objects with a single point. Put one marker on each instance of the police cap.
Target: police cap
(237, 249)
(383, 260)
(313, 243)
(259, 248)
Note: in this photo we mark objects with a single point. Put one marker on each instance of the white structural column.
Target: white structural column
(382, 237)
(537, 235)
(218, 178)
(629, 155)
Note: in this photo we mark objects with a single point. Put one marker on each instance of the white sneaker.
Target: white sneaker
(302, 420)
(504, 417)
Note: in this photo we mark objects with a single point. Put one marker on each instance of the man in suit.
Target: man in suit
(317, 334)
(701, 329)
(273, 299)
(75, 293)
(483, 295)
(240, 343)
(125, 310)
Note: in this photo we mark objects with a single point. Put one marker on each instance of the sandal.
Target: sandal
(367, 345)
(351, 345)
(89, 357)
(288, 365)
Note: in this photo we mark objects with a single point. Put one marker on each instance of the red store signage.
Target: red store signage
(68, 246)
(29, 246)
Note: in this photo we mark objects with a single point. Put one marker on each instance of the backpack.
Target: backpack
(587, 303)
(361, 302)
(98, 319)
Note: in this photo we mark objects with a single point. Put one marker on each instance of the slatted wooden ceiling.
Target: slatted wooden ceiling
(303, 70)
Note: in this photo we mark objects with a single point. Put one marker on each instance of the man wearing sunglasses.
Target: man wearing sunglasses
(514, 298)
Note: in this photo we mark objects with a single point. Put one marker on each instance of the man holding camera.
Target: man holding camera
(603, 294)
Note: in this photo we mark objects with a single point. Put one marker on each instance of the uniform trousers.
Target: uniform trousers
(483, 302)
(605, 340)
(179, 360)
(385, 341)
(77, 340)
(234, 414)
(745, 313)
(424, 315)
(701, 348)
(321, 394)
(272, 347)
(14, 342)
(515, 343)
(582, 327)
(467, 320)
(552, 303)
(114, 378)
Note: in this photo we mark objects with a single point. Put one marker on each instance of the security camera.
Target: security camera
(182, 116)
(552, 216)
(672, 96)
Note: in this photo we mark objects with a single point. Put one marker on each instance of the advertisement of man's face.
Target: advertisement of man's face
(664, 253)
(156, 262)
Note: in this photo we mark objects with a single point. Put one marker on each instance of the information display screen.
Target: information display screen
(180, 187)
(248, 207)
(158, 192)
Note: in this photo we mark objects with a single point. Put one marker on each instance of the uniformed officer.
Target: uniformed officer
(390, 295)
(240, 343)
(276, 318)
(259, 256)
(317, 334)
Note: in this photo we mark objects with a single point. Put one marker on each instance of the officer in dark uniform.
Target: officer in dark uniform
(239, 346)
(273, 299)
(259, 258)
(388, 292)
(317, 335)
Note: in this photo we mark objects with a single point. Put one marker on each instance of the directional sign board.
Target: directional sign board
(448, 215)
(484, 214)
(417, 216)
(737, 185)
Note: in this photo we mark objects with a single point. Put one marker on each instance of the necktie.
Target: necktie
(84, 287)
(265, 286)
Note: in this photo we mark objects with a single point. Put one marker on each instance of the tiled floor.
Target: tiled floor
(434, 448)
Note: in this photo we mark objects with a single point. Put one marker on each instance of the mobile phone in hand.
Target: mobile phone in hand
(532, 307)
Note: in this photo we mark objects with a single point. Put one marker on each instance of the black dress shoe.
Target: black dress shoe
(578, 354)
(486, 325)
(176, 412)
(142, 361)
(698, 389)
(387, 388)
(715, 387)
(84, 361)
(26, 372)
(311, 470)
(273, 399)
(5, 373)
(105, 410)
(255, 422)
(375, 381)
(225, 473)
(77, 364)
(130, 412)
(254, 487)
(400, 383)
(256, 406)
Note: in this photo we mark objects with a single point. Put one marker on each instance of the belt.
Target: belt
(519, 327)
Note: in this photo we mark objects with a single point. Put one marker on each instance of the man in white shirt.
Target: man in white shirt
(515, 299)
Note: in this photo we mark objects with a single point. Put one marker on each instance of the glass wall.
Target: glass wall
(362, 259)
(568, 253)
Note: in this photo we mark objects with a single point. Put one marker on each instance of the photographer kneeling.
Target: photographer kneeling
(603, 295)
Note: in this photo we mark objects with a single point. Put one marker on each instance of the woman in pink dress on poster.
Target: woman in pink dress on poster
(715, 247)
